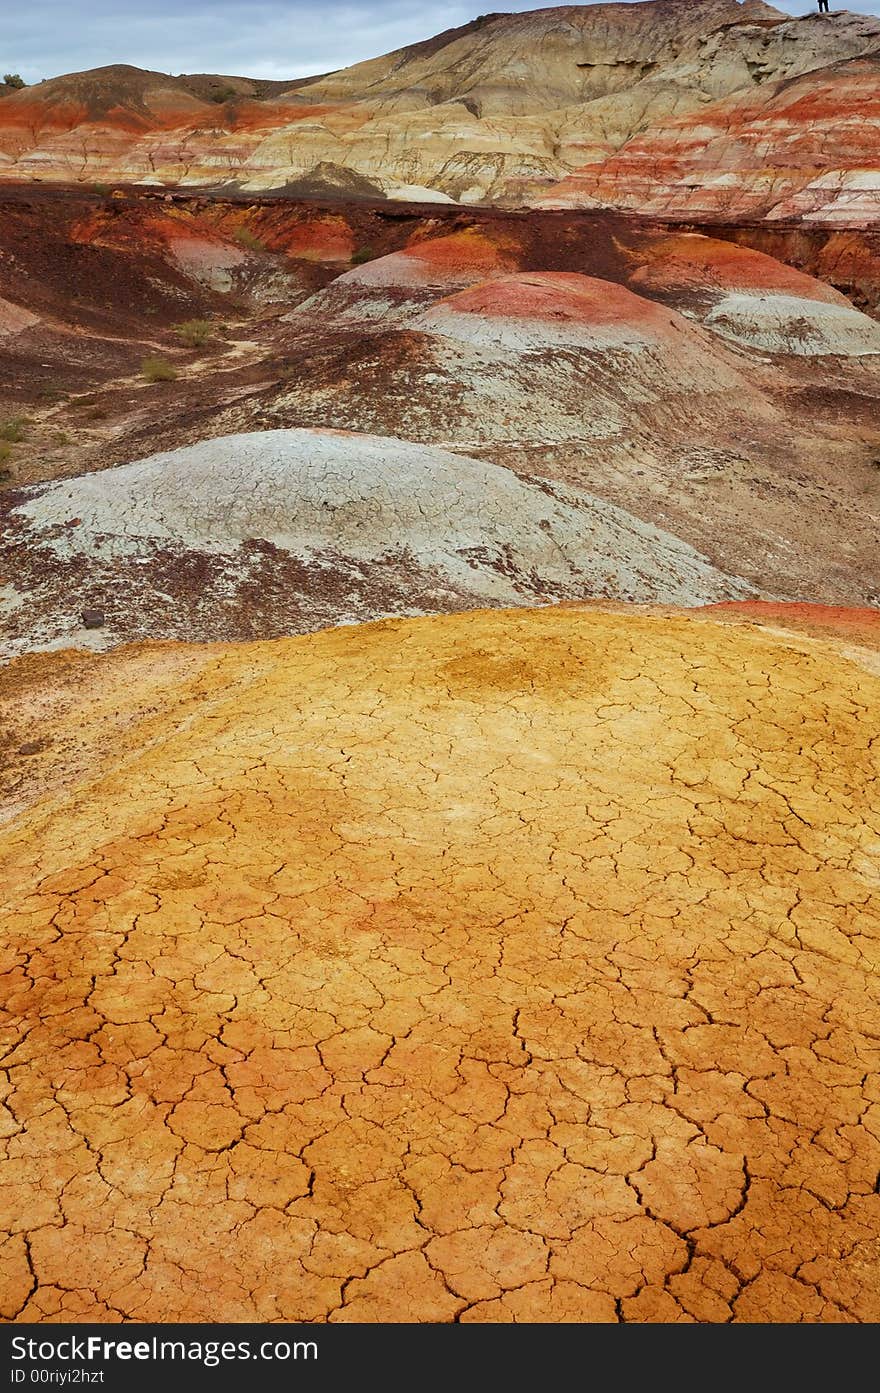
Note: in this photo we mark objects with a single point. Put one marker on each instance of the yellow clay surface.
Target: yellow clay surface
(504, 966)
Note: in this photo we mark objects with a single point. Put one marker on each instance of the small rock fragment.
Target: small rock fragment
(93, 618)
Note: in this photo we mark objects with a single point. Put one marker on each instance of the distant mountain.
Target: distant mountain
(711, 107)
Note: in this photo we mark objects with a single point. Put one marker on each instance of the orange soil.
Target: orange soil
(554, 295)
(490, 967)
(466, 250)
(61, 117)
(327, 238)
(816, 619)
(704, 263)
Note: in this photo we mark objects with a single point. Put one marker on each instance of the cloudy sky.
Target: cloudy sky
(257, 38)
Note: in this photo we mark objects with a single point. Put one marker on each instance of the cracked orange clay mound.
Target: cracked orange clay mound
(501, 966)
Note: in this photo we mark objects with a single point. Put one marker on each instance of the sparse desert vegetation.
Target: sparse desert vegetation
(14, 429)
(246, 238)
(156, 369)
(195, 333)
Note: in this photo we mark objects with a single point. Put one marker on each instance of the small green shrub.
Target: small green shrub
(247, 239)
(225, 94)
(158, 370)
(60, 437)
(195, 333)
(14, 429)
(363, 254)
(14, 80)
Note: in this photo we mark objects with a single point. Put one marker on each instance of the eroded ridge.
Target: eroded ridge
(500, 966)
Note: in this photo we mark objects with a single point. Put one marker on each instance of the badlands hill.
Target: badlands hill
(283, 532)
(489, 932)
(711, 107)
(500, 966)
(490, 409)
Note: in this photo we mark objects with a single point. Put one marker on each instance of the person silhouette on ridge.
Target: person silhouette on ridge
(823, 6)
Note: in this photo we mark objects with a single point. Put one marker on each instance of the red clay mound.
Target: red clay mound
(555, 295)
(690, 261)
(824, 620)
(439, 263)
(551, 309)
(469, 250)
(754, 299)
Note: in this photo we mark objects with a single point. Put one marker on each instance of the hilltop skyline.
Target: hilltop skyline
(271, 39)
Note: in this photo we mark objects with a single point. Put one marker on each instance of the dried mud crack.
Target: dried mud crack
(491, 967)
